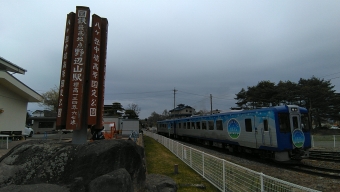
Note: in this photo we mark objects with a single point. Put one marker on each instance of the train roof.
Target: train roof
(281, 108)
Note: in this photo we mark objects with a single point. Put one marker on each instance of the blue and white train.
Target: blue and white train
(281, 133)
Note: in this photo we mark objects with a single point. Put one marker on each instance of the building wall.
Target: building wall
(129, 125)
(126, 125)
(38, 130)
(38, 114)
(110, 120)
(15, 109)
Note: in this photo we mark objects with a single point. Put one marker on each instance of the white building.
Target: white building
(14, 97)
(182, 111)
(126, 126)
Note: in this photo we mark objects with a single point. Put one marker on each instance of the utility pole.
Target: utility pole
(210, 104)
(175, 97)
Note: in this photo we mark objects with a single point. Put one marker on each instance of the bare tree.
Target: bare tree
(51, 98)
(134, 107)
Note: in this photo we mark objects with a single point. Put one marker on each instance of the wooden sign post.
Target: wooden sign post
(82, 79)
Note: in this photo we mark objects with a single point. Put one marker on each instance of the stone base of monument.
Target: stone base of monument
(101, 165)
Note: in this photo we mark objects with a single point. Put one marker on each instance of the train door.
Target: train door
(250, 128)
(175, 129)
(262, 131)
(169, 128)
(295, 122)
(298, 137)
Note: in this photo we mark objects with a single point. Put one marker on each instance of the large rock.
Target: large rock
(75, 166)
(118, 180)
(34, 188)
(162, 183)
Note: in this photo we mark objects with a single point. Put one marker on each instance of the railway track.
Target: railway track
(324, 155)
(317, 170)
(318, 167)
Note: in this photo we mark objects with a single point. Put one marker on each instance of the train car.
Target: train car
(281, 133)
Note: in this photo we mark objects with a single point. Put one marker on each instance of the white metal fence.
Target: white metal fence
(224, 175)
(326, 141)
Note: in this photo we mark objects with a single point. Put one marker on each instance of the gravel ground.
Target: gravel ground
(306, 180)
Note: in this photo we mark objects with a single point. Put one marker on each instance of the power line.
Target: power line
(223, 98)
(141, 98)
(139, 92)
(330, 75)
(193, 94)
(334, 78)
(199, 101)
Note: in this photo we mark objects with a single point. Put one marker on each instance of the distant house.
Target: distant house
(216, 111)
(44, 113)
(182, 111)
(38, 113)
(110, 111)
(114, 119)
(43, 121)
(14, 97)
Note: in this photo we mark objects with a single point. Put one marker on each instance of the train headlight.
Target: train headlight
(294, 109)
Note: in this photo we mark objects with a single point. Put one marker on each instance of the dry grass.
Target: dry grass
(160, 160)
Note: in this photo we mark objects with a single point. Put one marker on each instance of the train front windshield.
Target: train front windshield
(284, 122)
(305, 122)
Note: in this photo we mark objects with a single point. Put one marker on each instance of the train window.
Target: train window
(184, 125)
(211, 125)
(295, 122)
(305, 122)
(219, 125)
(265, 124)
(204, 125)
(284, 122)
(193, 125)
(188, 125)
(198, 125)
(249, 127)
(179, 125)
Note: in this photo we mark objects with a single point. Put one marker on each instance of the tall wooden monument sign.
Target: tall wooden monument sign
(82, 79)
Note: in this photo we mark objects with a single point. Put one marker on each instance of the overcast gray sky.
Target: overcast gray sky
(198, 47)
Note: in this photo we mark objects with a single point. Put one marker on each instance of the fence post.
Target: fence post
(172, 146)
(261, 180)
(190, 159)
(203, 164)
(223, 175)
(312, 141)
(334, 140)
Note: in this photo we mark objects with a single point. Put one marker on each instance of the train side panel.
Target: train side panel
(247, 129)
(253, 131)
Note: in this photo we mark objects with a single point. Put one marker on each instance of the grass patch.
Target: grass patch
(159, 160)
(326, 138)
